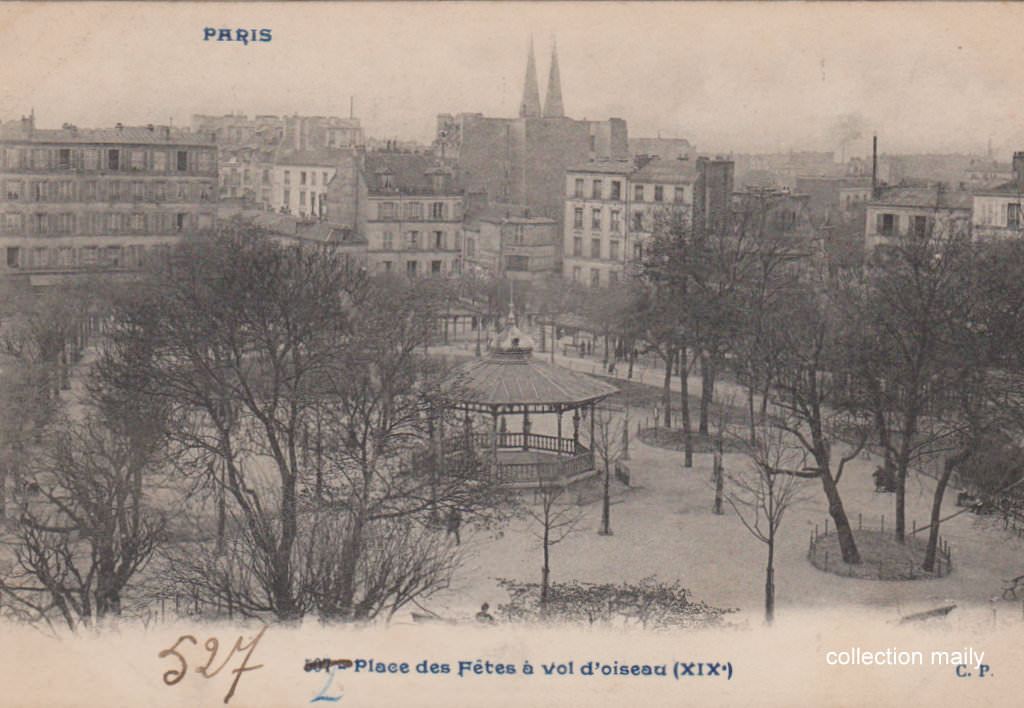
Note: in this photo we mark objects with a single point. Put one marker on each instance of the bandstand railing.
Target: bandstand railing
(557, 470)
(514, 441)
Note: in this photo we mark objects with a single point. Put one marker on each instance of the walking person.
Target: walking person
(454, 522)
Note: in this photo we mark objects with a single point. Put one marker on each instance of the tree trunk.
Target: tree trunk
(769, 582)
(545, 571)
(281, 583)
(606, 528)
(719, 480)
(950, 464)
(666, 391)
(847, 544)
(750, 411)
(684, 402)
(707, 390)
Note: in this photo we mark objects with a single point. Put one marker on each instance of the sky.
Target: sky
(729, 77)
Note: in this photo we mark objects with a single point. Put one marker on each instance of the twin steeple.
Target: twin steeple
(530, 106)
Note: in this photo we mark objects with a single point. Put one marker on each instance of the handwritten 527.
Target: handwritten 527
(212, 645)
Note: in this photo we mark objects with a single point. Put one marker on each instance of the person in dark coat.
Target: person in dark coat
(454, 522)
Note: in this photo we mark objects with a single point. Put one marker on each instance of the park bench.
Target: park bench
(1011, 587)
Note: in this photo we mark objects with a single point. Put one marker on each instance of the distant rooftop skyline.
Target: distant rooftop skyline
(728, 77)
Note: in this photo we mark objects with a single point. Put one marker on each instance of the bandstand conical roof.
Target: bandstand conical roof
(510, 379)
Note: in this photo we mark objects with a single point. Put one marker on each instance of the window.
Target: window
(414, 210)
(435, 266)
(437, 210)
(302, 178)
(439, 240)
(64, 159)
(638, 221)
(595, 278)
(12, 223)
(680, 195)
(638, 250)
(613, 277)
(576, 274)
(414, 240)
(616, 225)
(326, 179)
(886, 225)
(12, 257)
(13, 190)
(92, 159)
(183, 161)
(387, 241)
(40, 159)
(578, 188)
(287, 198)
(180, 221)
(38, 191)
(138, 190)
(386, 266)
(577, 247)
(577, 218)
(470, 247)
(595, 219)
(206, 163)
(659, 193)
(88, 255)
(287, 176)
(312, 179)
(64, 223)
(597, 189)
(1013, 216)
(517, 263)
(919, 226)
(386, 210)
(302, 195)
(595, 248)
(613, 250)
(410, 269)
(138, 159)
(138, 223)
(638, 193)
(616, 190)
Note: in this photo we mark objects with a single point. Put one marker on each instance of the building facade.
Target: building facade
(83, 200)
(612, 209)
(996, 211)
(901, 212)
(514, 246)
(405, 206)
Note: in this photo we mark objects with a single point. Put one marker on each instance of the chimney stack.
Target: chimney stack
(1018, 169)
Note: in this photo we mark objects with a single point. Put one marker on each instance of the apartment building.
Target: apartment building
(76, 200)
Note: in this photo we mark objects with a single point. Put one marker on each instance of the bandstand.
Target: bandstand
(509, 388)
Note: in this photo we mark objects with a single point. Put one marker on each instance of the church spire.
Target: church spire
(553, 107)
(530, 106)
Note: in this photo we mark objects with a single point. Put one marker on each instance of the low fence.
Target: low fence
(885, 568)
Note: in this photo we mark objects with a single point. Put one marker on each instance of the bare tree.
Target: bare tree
(88, 524)
(809, 398)
(607, 447)
(556, 518)
(761, 494)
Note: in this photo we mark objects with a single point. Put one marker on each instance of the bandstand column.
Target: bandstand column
(558, 445)
(575, 430)
(593, 408)
(526, 430)
(494, 439)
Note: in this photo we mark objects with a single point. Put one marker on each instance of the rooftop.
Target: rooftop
(24, 131)
(510, 378)
(929, 197)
